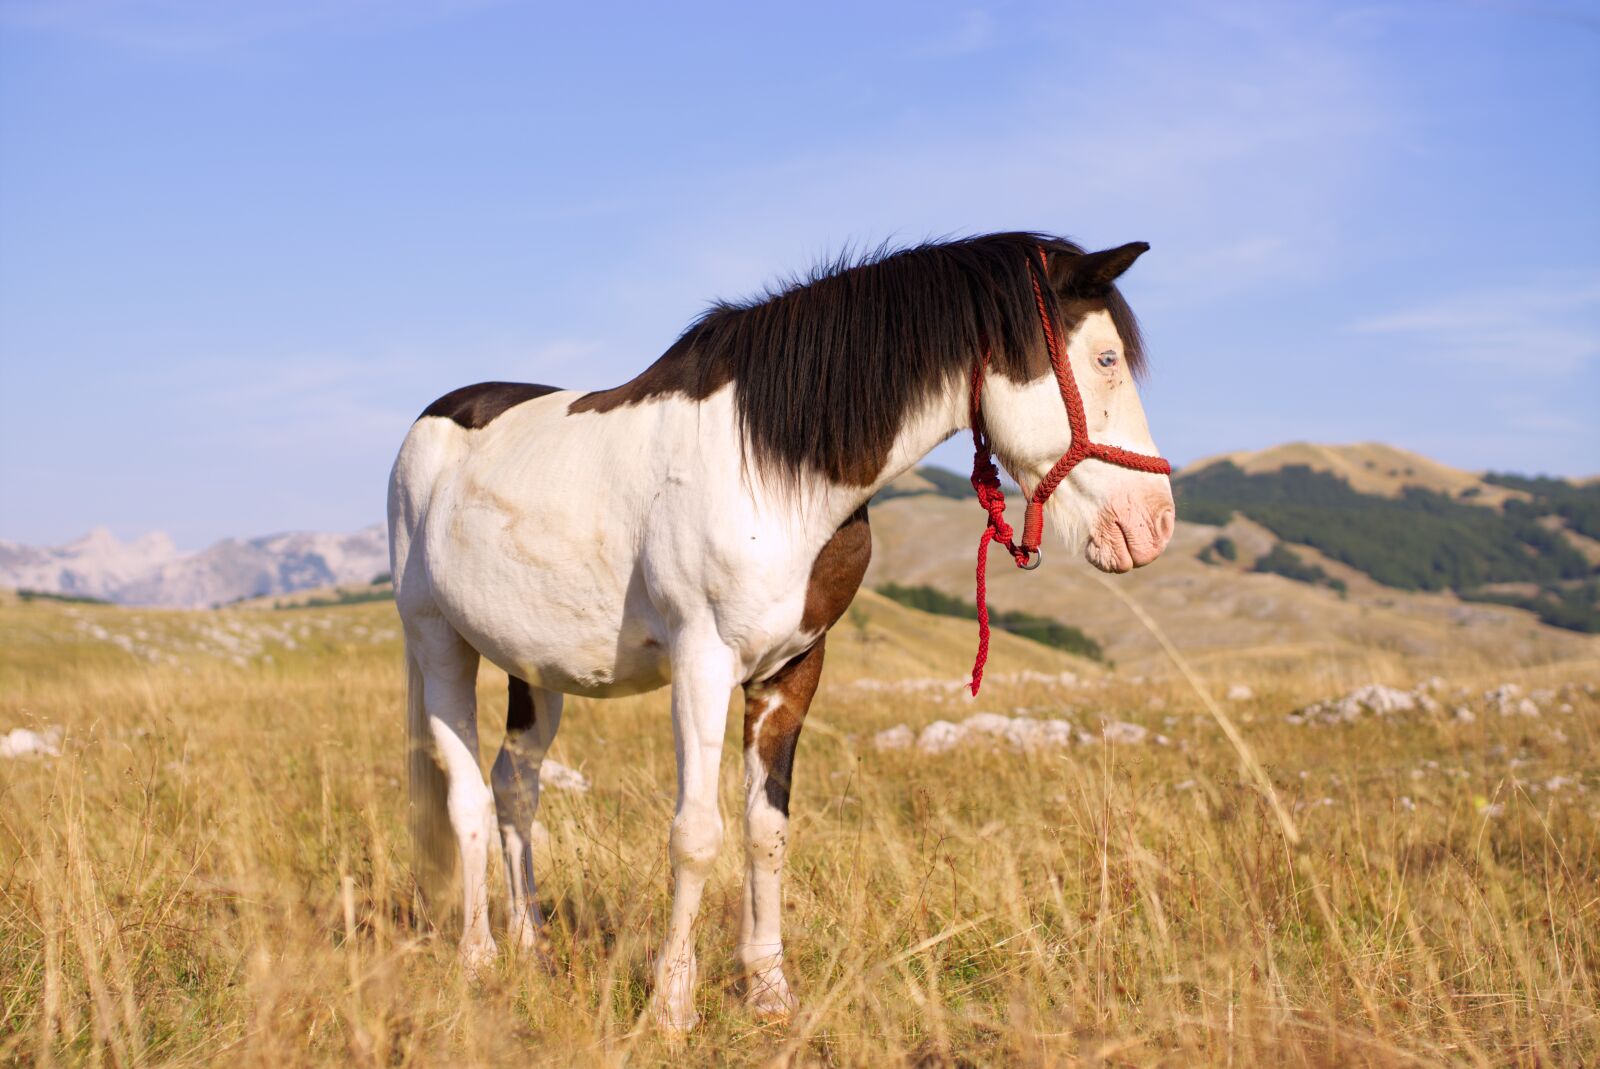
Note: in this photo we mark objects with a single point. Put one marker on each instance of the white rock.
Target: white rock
(1123, 732)
(21, 742)
(1025, 734)
(1504, 699)
(1385, 700)
(557, 775)
(1507, 700)
(994, 724)
(1240, 692)
(899, 737)
(1373, 698)
(939, 736)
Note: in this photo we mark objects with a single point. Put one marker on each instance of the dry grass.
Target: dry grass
(214, 871)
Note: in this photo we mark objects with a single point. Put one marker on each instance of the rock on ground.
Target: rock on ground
(557, 775)
(22, 742)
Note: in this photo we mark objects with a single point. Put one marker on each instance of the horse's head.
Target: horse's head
(1122, 518)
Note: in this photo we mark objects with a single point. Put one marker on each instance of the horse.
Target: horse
(702, 526)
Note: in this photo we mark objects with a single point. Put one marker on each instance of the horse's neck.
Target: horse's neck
(943, 416)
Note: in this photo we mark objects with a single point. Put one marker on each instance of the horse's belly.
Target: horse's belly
(599, 663)
(547, 606)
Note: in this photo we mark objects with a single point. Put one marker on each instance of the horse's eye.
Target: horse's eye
(1107, 358)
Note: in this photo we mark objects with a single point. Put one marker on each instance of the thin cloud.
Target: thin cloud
(1539, 327)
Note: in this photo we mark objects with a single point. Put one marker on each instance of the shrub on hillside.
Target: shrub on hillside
(1285, 562)
(1041, 629)
(1221, 548)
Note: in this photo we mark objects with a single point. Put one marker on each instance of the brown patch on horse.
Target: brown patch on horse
(774, 710)
(520, 715)
(475, 407)
(837, 572)
(677, 372)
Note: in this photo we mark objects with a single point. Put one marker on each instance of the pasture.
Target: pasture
(213, 869)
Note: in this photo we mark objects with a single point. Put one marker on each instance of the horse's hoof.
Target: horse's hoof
(673, 1010)
(476, 958)
(675, 1024)
(770, 998)
(672, 1004)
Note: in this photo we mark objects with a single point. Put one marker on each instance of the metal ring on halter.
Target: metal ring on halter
(1038, 559)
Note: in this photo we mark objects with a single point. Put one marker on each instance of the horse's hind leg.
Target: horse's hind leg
(773, 712)
(449, 670)
(532, 717)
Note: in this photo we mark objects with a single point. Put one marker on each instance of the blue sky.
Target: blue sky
(242, 244)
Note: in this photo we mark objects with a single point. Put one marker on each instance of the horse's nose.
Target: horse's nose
(1150, 533)
(1165, 522)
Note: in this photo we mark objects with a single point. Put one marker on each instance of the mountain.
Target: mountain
(1368, 467)
(153, 571)
(1407, 522)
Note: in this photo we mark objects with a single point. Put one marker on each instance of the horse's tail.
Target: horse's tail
(433, 841)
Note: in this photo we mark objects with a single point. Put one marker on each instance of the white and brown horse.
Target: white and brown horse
(705, 524)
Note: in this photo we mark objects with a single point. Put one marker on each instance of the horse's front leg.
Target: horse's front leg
(703, 676)
(774, 709)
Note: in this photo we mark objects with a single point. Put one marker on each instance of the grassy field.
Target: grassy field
(213, 870)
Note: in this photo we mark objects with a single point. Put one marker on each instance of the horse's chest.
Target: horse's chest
(803, 612)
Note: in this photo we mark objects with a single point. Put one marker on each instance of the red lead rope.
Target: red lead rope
(986, 477)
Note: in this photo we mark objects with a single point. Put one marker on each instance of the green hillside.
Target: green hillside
(1421, 539)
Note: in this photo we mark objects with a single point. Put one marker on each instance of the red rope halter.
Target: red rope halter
(986, 477)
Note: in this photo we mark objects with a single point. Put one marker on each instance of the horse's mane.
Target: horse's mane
(827, 367)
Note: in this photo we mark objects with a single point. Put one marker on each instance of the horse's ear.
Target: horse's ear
(1092, 273)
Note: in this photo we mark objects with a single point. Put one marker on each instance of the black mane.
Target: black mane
(826, 369)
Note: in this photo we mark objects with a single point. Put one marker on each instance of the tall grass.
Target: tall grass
(214, 871)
